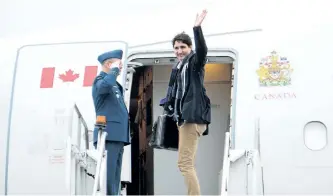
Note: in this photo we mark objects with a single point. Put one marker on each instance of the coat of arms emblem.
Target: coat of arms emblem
(274, 70)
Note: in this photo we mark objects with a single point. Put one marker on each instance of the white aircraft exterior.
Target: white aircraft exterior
(268, 76)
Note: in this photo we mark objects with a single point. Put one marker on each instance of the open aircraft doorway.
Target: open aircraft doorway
(149, 85)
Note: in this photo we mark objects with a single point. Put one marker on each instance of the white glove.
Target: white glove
(115, 64)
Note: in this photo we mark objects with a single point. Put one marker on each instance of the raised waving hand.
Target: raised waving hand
(200, 18)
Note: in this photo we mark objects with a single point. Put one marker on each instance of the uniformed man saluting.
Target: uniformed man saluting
(109, 102)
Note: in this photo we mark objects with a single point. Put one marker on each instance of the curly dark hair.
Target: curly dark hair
(182, 37)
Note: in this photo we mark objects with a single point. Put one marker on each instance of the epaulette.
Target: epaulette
(97, 78)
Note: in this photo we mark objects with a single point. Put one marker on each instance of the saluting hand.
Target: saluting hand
(114, 64)
(200, 18)
(115, 67)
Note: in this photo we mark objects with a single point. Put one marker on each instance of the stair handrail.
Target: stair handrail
(253, 159)
(257, 146)
(226, 165)
(83, 122)
(74, 156)
(77, 157)
(100, 177)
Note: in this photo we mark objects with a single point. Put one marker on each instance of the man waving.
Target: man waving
(187, 101)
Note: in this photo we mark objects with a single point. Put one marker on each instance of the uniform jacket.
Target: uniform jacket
(195, 104)
(108, 100)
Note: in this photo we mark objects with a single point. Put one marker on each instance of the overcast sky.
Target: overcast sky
(70, 18)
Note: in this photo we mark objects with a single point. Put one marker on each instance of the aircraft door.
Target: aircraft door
(48, 80)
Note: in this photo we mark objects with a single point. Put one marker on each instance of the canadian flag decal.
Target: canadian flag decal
(70, 75)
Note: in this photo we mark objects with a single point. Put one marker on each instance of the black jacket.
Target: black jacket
(195, 103)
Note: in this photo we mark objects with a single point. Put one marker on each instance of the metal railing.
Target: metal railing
(226, 165)
(257, 147)
(83, 122)
(77, 159)
(253, 159)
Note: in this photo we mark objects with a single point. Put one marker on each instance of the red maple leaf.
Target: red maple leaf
(68, 76)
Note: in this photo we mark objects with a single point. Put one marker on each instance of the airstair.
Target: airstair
(86, 165)
(83, 162)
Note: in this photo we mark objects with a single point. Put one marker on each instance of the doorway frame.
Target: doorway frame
(231, 57)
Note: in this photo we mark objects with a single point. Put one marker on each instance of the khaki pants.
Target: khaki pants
(189, 135)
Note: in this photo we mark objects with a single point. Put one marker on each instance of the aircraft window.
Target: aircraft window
(315, 135)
